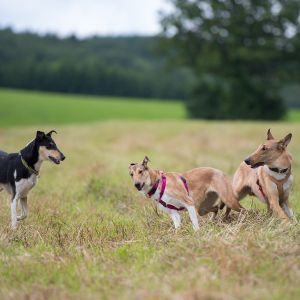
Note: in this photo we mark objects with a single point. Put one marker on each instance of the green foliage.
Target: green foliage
(30, 108)
(248, 49)
(118, 66)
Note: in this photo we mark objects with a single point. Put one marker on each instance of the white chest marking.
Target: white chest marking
(23, 186)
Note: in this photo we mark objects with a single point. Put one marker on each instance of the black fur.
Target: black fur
(11, 164)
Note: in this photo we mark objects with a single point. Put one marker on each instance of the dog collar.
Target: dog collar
(279, 171)
(25, 164)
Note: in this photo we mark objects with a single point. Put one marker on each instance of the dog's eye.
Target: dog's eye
(140, 171)
(264, 148)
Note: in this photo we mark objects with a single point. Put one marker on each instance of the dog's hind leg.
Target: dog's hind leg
(24, 209)
(227, 212)
(214, 210)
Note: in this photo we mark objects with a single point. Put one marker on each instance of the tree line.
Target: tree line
(228, 59)
(117, 66)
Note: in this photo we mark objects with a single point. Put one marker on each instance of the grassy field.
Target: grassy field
(20, 107)
(90, 235)
(30, 108)
(293, 115)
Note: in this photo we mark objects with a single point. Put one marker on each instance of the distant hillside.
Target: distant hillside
(117, 66)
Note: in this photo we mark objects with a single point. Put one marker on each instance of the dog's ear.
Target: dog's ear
(145, 162)
(39, 135)
(50, 132)
(131, 165)
(282, 144)
(269, 135)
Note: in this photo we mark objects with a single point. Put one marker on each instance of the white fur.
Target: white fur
(13, 207)
(193, 216)
(288, 210)
(23, 186)
(174, 214)
(175, 217)
(288, 185)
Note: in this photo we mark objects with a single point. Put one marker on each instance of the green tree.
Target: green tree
(241, 51)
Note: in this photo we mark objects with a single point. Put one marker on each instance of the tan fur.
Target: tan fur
(271, 154)
(206, 186)
(44, 153)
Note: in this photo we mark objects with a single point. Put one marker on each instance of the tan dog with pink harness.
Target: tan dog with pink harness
(199, 189)
(266, 173)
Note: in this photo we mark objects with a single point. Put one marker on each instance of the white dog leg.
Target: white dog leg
(193, 216)
(289, 211)
(176, 218)
(24, 209)
(13, 208)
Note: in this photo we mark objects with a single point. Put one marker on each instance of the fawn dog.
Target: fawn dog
(266, 174)
(196, 190)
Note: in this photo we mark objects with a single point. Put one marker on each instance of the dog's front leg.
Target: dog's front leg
(276, 208)
(288, 210)
(13, 208)
(175, 218)
(24, 209)
(193, 216)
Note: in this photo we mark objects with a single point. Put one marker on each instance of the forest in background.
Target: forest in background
(117, 66)
(128, 66)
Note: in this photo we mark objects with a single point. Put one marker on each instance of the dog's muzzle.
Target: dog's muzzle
(57, 160)
(139, 186)
(253, 166)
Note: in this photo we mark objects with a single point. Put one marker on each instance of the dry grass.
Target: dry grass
(90, 235)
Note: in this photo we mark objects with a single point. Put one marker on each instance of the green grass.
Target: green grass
(293, 115)
(20, 107)
(90, 234)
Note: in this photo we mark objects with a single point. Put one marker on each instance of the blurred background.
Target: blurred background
(158, 59)
(121, 79)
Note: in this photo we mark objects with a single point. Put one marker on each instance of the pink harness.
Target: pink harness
(162, 190)
(261, 190)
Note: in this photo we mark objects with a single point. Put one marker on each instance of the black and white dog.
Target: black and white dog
(19, 171)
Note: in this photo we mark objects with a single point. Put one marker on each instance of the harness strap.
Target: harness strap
(162, 191)
(261, 190)
(185, 184)
(163, 186)
(153, 189)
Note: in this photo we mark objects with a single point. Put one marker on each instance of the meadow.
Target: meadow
(90, 235)
(20, 107)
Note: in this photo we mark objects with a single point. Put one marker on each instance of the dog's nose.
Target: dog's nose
(62, 157)
(137, 185)
(247, 161)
